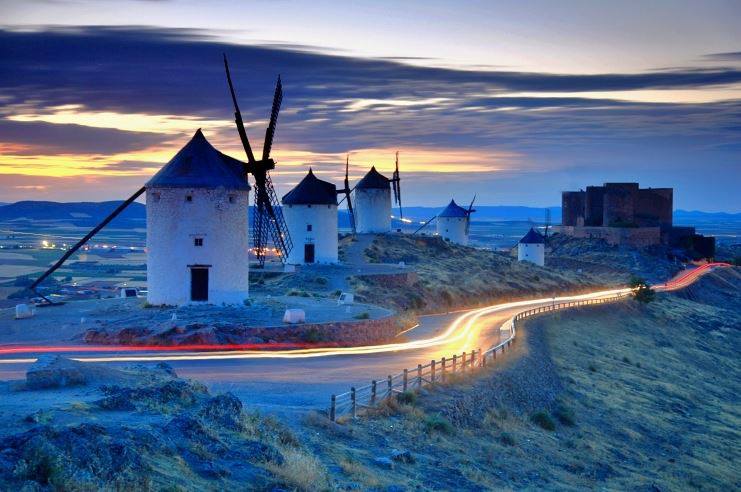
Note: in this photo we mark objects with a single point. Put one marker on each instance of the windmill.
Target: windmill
(396, 184)
(452, 210)
(346, 191)
(267, 218)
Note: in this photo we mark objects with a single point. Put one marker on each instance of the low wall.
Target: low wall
(631, 236)
(339, 333)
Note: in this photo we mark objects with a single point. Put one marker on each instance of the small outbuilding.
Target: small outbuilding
(532, 248)
(310, 211)
(452, 223)
(373, 203)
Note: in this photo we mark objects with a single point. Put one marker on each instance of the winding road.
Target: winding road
(290, 382)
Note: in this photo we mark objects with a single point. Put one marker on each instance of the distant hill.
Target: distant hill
(91, 213)
(78, 213)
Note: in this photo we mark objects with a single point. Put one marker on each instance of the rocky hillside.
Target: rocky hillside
(450, 275)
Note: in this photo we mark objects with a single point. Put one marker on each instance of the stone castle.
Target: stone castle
(624, 213)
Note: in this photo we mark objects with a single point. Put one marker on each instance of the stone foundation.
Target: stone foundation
(333, 334)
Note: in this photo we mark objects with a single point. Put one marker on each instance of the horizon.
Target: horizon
(518, 110)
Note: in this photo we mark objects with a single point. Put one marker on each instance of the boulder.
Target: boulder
(53, 371)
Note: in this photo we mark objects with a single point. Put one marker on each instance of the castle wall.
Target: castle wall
(573, 205)
(594, 205)
(654, 207)
(619, 204)
(632, 236)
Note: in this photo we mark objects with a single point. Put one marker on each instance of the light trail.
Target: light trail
(461, 329)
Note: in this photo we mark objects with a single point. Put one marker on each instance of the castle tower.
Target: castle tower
(310, 210)
(532, 248)
(452, 223)
(372, 203)
(197, 239)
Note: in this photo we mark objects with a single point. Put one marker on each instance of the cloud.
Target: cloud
(133, 96)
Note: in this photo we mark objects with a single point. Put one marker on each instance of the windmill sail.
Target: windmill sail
(268, 224)
(468, 214)
(396, 183)
(347, 191)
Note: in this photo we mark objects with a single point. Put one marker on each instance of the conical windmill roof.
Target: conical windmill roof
(373, 180)
(311, 191)
(200, 165)
(532, 237)
(453, 210)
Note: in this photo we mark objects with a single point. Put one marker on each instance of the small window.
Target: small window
(232, 198)
(155, 197)
(198, 241)
(188, 198)
(308, 227)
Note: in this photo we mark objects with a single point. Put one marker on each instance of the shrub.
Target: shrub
(565, 415)
(592, 368)
(247, 302)
(321, 281)
(363, 315)
(438, 423)
(543, 420)
(507, 439)
(313, 335)
(642, 290)
(407, 398)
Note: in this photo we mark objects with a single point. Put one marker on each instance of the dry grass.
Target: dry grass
(301, 470)
(477, 274)
(659, 412)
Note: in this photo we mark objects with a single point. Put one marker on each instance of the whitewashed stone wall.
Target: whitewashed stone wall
(323, 234)
(219, 217)
(372, 210)
(453, 229)
(532, 252)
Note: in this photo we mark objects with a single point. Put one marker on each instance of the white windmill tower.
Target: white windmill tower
(197, 237)
(532, 248)
(373, 203)
(454, 222)
(310, 210)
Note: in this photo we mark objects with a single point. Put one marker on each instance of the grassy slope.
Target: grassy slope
(450, 275)
(643, 397)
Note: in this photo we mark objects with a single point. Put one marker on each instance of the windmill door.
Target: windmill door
(199, 284)
(308, 253)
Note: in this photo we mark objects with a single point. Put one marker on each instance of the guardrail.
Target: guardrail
(440, 370)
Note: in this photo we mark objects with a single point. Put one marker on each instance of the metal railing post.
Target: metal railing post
(406, 375)
(354, 403)
(333, 408)
(390, 386)
(373, 392)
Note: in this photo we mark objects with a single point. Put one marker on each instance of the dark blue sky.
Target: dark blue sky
(88, 113)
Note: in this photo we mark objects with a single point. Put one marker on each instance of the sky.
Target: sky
(514, 101)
